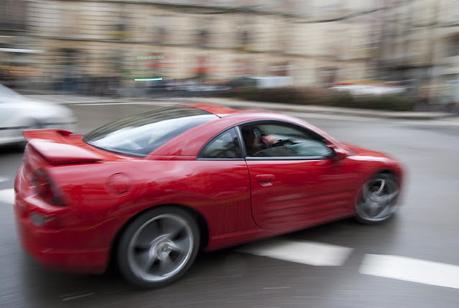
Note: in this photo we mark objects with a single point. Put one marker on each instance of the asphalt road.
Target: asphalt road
(425, 229)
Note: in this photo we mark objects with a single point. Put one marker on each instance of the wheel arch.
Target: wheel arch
(200, 220)
(391, 171)
(386, 171)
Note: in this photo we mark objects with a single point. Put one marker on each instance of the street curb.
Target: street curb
(312, 109)
(400, 115)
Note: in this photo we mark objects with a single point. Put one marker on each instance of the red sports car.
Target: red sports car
(153, 189)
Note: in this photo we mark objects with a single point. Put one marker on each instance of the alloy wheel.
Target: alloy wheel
(378, 198)
(160, 248)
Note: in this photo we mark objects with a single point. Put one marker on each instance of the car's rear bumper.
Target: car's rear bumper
(48, 246)
(76, 248)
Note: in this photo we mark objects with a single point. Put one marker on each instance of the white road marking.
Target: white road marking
(275, 288)
(69, 298)
(7, 196)
(316, 254)
(3, 179)
(409, 269)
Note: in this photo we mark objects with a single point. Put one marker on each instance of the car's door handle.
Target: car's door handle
(265, 180)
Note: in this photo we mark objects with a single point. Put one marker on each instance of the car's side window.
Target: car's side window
(224, 146)
(282, 140)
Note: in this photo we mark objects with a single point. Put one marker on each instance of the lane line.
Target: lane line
(7, 195)
(70, 298)
(409, 269)
(311, 253)
(307, 116)
(3, 179)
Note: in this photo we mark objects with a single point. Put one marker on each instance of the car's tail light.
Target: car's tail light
(44, 187)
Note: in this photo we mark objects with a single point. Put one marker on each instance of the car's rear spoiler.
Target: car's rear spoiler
(56, 148)
(47, 134)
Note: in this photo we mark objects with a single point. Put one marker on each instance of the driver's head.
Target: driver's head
(249, 135)
(250, 139)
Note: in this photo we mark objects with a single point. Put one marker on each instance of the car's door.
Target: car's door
(294, 179)
(225, 180)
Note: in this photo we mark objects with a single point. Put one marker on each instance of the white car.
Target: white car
(18, 113)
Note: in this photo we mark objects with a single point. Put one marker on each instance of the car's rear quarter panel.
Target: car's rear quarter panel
(217, 190)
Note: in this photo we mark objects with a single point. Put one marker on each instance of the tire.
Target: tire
(158, 247)
(377, 200)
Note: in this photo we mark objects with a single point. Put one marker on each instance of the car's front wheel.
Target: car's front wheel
(158, 247)
(378, 198)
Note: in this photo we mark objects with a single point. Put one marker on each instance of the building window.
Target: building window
(70, 22)
(160, 30)
(244, 39)
(160, 35)
(453, 46)
(13, 15)
(203, 38)
(121, 24)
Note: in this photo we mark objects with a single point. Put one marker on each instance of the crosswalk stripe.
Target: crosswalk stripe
(3, 179)
(7, 196)
(409, 269)
(311, 253)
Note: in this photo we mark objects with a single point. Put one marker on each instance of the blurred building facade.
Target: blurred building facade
(418, 42)
(315, 42)
(14, 46)
(310, 41)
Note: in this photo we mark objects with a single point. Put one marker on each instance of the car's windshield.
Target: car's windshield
(7, 94)
(142, 133)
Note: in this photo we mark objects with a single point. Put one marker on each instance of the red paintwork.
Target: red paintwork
(239, 201)
(61, 153)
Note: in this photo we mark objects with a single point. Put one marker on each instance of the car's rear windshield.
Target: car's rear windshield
(143, 133)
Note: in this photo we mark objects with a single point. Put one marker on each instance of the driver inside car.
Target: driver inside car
(259, 144)
(252, 145)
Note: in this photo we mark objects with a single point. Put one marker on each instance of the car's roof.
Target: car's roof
(190, 143)
(236, 115)
(224, 111)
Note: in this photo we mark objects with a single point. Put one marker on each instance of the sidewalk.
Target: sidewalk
(313, 109)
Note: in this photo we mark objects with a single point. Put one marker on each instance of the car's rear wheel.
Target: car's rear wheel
(378, 198)
(158, 247)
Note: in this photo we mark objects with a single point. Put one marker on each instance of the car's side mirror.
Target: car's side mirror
(338, 153)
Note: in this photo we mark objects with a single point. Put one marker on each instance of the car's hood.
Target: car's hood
(359, 151)
(362, 154)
